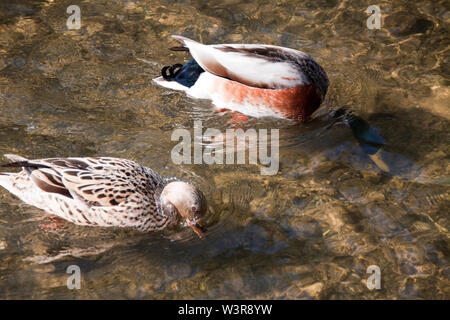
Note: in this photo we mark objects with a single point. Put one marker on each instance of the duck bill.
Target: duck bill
(198, 229)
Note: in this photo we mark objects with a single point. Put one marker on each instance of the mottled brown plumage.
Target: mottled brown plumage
(104, 192)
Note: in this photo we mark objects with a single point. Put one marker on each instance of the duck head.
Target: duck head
(183, 200)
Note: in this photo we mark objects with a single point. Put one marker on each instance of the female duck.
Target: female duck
(106, 192)
(256, 80)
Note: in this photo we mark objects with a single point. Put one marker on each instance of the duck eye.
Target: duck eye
(194, 208)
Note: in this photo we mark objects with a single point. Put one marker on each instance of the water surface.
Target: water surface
(312, 230)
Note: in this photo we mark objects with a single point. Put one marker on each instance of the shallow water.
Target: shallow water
(312, 230)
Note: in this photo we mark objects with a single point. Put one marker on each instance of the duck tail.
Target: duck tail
(20, 162)
(169, 73)
(179, 48)
(15, 157)
(180, 77)
(16, 161)
(183, 40)
(5, 177)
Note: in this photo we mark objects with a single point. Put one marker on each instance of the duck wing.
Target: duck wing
(262, 66)
(94, 181)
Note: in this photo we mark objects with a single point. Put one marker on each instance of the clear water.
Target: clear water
(310, 231)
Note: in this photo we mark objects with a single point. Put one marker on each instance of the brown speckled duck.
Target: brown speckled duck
(105, 192)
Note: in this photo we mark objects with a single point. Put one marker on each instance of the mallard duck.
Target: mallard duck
(106, 192)
(253, 79)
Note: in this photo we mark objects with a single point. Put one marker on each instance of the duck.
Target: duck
(255, 80)
(105, 192)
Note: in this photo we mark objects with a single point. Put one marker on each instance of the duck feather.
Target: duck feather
(261, 66)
